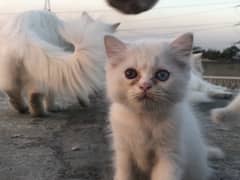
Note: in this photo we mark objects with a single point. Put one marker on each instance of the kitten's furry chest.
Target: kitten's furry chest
(144, 137)
(145, 148)
(151, 142)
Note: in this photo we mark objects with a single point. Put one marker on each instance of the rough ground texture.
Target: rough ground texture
(73, 145)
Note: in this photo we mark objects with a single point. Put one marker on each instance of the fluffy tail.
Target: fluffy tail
(219, 115)
(77, 74)
(70, 65)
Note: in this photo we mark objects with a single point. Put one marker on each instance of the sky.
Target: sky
(213, 22)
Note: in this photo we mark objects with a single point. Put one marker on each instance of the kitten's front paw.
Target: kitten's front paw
(218, 115)
(226, 116)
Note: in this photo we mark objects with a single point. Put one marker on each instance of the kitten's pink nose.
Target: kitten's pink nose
(145, 86)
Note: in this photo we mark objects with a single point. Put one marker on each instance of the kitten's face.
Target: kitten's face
(147, 76)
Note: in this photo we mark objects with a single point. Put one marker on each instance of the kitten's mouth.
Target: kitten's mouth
(143, 96)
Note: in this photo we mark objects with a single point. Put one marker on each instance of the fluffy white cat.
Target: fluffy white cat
(42, 56)
(201, 90)
(155, 133)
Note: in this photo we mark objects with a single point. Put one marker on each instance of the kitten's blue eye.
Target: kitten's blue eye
(162, 75)
(131, 73)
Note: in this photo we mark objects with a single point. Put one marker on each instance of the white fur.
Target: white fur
(159, 139)
(45, 53)
(183, 135)
(203, 91)
(199, 89)
(230, 112)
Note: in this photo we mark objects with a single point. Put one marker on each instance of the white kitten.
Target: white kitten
(199, 89)
(42, 56)
(155, 134)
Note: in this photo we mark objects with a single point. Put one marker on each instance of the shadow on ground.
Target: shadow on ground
(73, 145)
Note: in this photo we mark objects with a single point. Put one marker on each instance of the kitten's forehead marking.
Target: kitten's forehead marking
(146, 58)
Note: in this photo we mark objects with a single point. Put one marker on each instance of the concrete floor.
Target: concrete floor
(73, 145)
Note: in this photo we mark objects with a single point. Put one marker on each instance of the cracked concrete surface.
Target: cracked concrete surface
(73, 144)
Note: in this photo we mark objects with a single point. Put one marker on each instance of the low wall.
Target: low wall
(221, 69)
(224, 74)
(226, 81)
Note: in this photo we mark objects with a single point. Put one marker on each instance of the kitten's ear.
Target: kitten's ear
(183, 44)
(115, 26)
(114, 47)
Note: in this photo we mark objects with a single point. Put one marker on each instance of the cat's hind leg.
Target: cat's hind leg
(35, 100)
(16, 100)
(11, 83)
(36, 104)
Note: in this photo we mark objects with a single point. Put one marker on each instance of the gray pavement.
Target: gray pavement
(73, 144)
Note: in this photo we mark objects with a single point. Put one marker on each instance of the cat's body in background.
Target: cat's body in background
(155, 134)
(42, 56)
(201, 90)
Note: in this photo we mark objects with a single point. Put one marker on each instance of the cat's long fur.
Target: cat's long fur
(39, 53)
(199, 89)
(155, 138)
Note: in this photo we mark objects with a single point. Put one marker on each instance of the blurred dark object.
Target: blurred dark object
(132, 6)
(197, 49)
(228, 55)
(236, 57)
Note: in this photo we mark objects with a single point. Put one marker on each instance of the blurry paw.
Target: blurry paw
(218, 115)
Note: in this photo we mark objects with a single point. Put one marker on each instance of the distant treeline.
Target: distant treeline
(230, 54)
